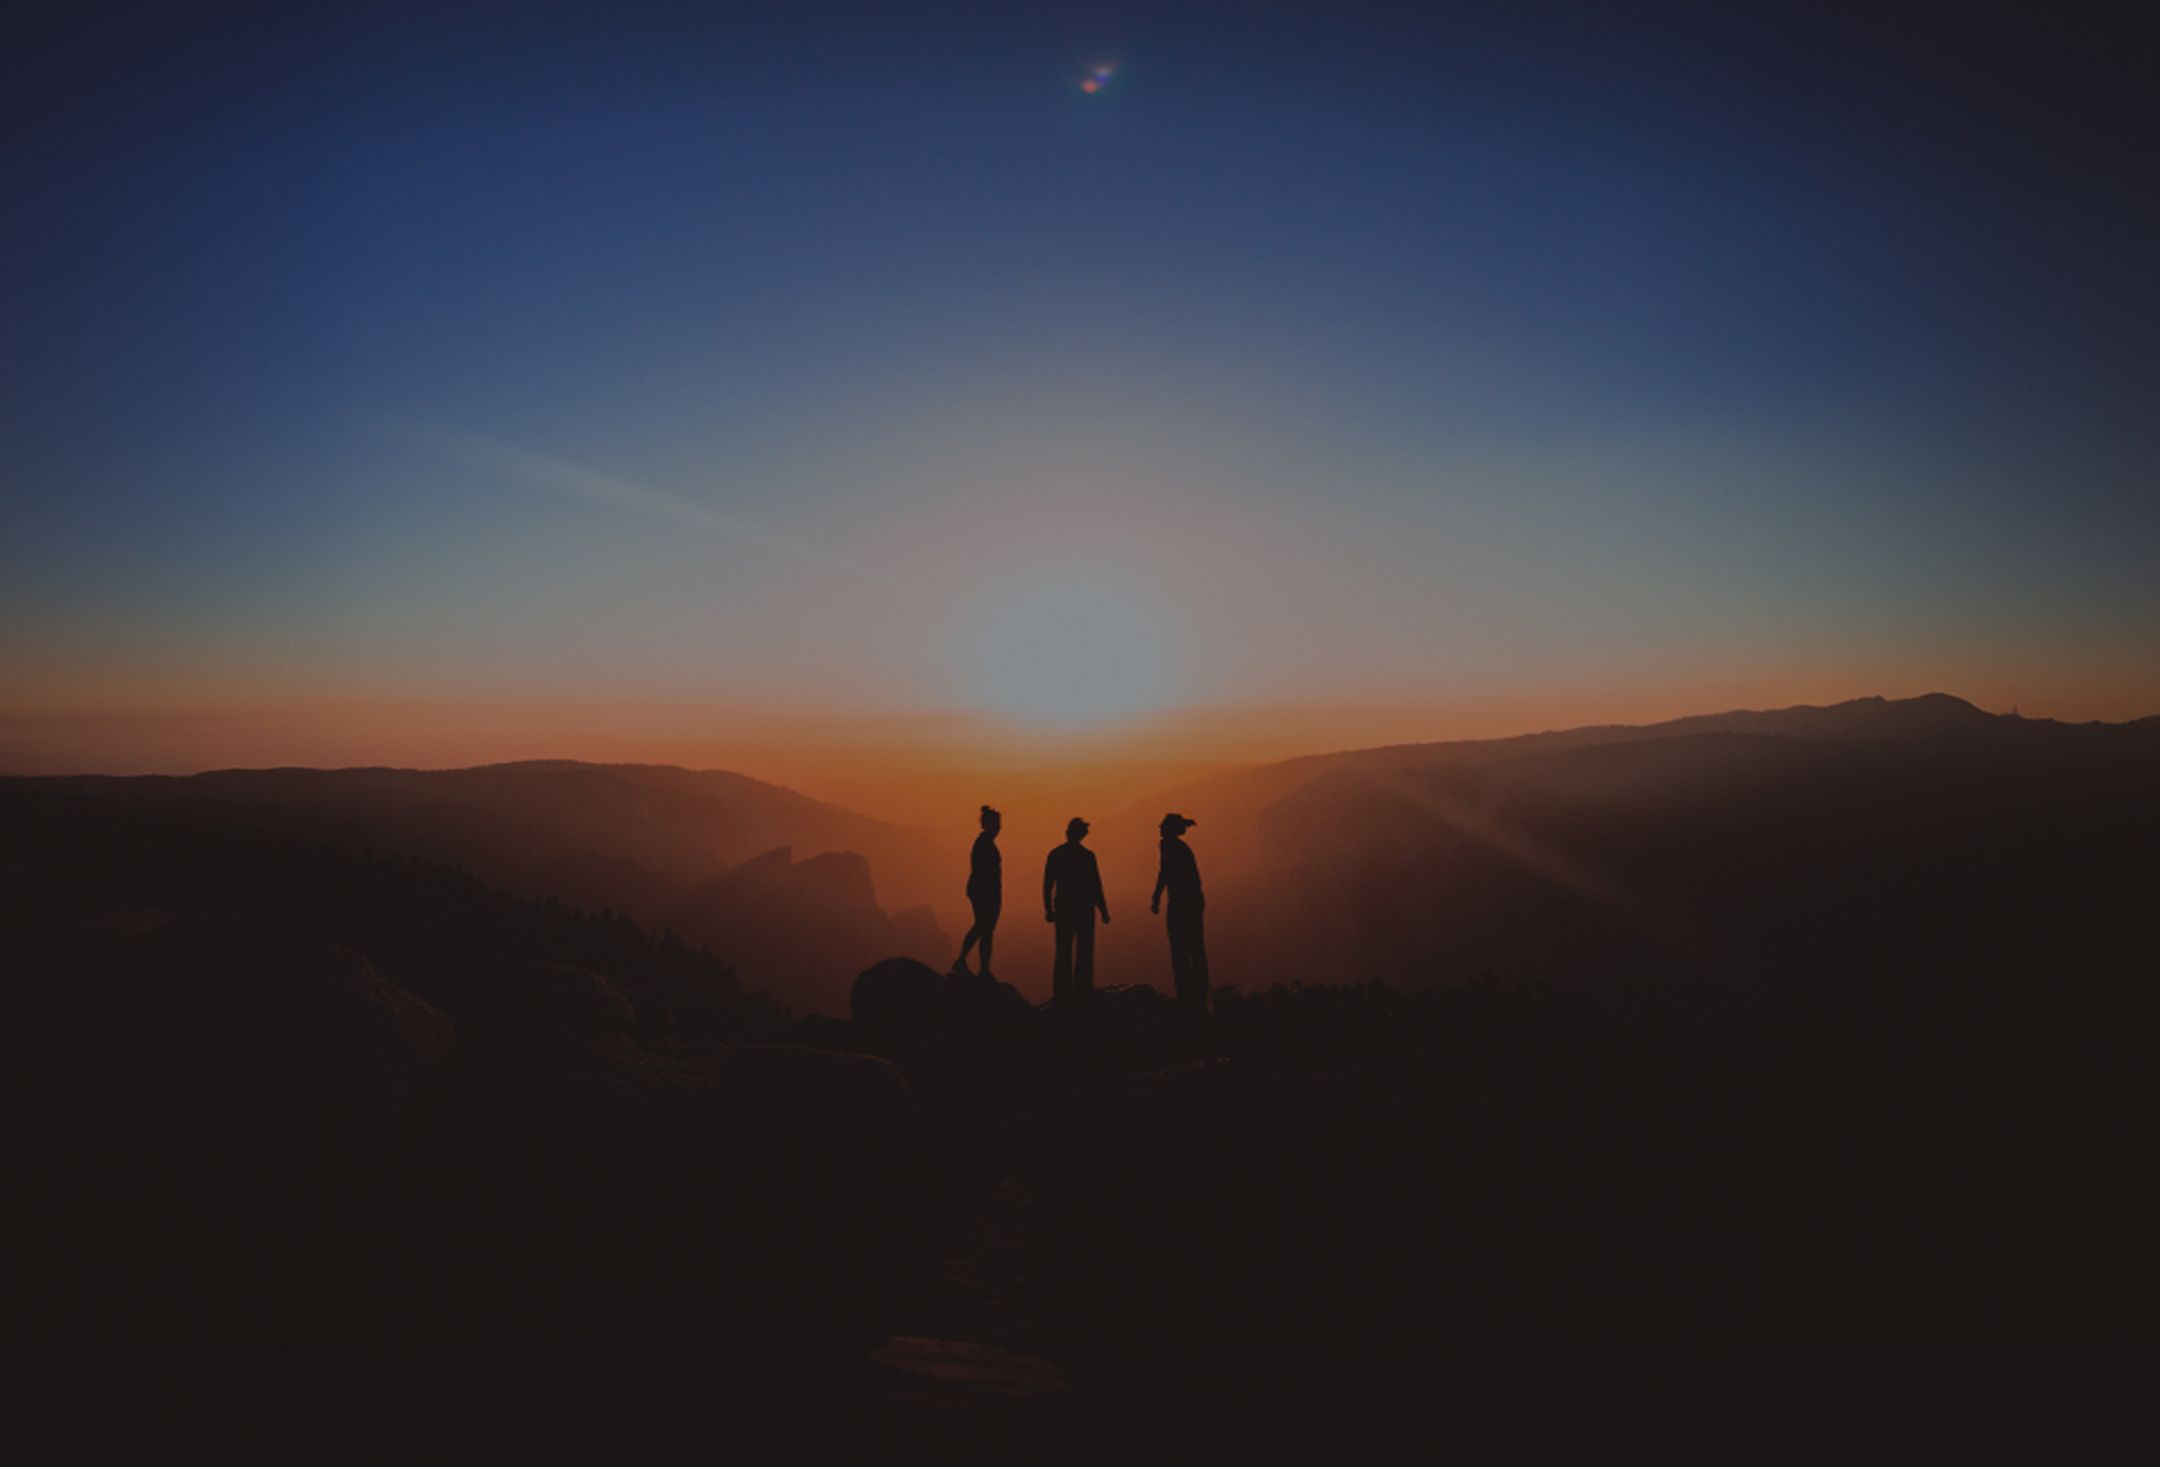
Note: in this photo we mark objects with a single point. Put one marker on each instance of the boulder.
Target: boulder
(894, 994)
(958, 987)
(968, 995)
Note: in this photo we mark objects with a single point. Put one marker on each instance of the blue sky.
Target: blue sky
(860, 360)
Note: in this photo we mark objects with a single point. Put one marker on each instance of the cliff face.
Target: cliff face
(802, 929)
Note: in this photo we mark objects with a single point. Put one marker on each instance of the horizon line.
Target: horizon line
(899, 749)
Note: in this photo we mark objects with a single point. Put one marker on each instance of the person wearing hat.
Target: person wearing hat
(1180, 877)
(985, 891)
(1072, 895)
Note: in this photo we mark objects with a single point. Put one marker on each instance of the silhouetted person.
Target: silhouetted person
(1072, 895)
(1179, 876)
(985, 891)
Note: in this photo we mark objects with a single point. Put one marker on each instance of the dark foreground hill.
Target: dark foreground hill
(708, 854)
(273, 1097)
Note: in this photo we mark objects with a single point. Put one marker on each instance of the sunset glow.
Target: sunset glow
(1431, 393)
(1224, 731)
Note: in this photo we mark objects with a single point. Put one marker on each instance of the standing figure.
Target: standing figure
(1180, 877)
(1072, 895)
(985, 891)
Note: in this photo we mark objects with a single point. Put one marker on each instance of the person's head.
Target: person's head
(991, 820)
(1176, 825)
(1075, 829)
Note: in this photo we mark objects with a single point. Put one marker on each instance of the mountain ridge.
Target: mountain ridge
(637, 839)
(1795, 720)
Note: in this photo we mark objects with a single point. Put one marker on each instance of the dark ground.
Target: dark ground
(322, 1157)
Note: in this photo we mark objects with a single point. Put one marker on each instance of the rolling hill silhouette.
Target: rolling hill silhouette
(1868, 829)
(1868, 833)
(1238, 797)
(670, 847)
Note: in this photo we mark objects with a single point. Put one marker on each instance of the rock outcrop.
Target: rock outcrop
(897, 993)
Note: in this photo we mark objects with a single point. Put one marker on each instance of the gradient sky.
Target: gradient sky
(839, 366)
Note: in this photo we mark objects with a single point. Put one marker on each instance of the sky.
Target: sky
(441, 384)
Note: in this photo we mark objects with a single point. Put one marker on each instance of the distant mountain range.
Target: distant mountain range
(1237, 797)
(1862, 836)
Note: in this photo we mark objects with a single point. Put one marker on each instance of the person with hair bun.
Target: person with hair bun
(985, 891)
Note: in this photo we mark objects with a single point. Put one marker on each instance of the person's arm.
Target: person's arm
(1049, 877)
(1102, 903)
(1162, 879)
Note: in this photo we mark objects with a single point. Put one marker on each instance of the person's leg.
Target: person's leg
(1061, 980)
(986, 916)
(1084, 958)
(1199, 955)
(1189, 958)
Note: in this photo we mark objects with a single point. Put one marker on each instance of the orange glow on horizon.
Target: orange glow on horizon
(900, 765)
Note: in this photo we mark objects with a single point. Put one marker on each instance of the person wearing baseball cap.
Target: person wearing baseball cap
(1179, 876)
